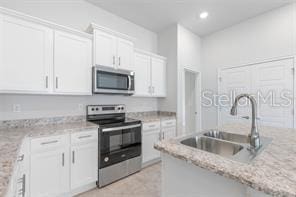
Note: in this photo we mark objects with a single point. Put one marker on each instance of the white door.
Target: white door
(49, 174)
(142, 70)
(84, 160)
(233, 82)
(125, 54)
(158, 77)
(169, 132)
(72, 64)
(104, 49)
(274, 80)
(26, 56)
(149, 138)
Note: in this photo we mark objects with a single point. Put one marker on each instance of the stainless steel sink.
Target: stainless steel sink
(219, 147)
(233, 146)
(228, 136)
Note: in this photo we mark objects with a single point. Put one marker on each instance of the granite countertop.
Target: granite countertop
(11, 140)
(146, 117)
(273, 171)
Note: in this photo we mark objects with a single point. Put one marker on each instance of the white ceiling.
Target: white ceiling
(156, 15)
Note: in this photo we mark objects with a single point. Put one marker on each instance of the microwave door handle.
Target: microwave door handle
(129, 82)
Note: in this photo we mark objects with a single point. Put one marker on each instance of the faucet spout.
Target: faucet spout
(255, 142)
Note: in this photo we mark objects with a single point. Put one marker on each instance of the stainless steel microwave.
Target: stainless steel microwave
(108, 80)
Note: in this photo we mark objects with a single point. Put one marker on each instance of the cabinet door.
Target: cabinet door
(142, 70)
(26, 56)
(149, 138)
(72, 64)
(84, 168)
(49, 173)
(104, 49)
(125, 54)
(169, 132)
(158, 77)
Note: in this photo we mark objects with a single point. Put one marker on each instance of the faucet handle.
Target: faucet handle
(247, 117)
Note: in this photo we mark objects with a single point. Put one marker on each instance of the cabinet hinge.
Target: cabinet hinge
(293, 70)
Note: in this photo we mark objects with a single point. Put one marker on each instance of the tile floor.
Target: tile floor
(146, 183)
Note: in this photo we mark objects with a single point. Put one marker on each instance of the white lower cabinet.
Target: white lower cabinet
(84, 159)
(152, 133)
(62, 165)
(149, 138)
(49, 173)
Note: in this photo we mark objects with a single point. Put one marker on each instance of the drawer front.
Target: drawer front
(47, 143)
(168, 123)
(151, 126)
(84, 137)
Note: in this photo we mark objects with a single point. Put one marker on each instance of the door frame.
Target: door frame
(219, 70)
(198, 108)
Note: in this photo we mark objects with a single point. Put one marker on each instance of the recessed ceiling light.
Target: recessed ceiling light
(204, 15)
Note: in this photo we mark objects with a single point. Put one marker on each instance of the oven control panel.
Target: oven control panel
(105, 109)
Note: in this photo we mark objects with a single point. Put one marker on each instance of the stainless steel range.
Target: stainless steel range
(120, 142)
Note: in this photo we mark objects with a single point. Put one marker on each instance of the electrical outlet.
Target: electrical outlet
(80, 107)
(16, 108)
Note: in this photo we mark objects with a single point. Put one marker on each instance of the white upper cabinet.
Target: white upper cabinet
(26, 51)
(158, 77)
(72, 64)
(104, 49)
(150, 75)
(125, 53)
(112, 49)
(142, 70)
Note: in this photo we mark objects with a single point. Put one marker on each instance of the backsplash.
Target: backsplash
(43, 106)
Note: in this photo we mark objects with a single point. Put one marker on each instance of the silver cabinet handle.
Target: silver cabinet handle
(46, 82)
(23, 190)
(114, 60)
(121, 128)
(119, 61)
(63, 159)
(85, 136)
(21, 158)
(57, 82)
(49, 142)
(73, 156)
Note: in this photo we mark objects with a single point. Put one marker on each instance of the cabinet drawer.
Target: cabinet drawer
(52, 142)
(168, 123)
(84, 137)
(151, 126)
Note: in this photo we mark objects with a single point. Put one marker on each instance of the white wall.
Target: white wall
(167, 46)
(182, 48)
(270, 35)
(77, 14)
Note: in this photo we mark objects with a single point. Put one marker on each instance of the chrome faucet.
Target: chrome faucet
(255, 142)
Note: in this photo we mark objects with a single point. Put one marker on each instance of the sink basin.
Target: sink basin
(228, 136)
(218, 147)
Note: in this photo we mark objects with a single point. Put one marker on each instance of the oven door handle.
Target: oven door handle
(121, 128)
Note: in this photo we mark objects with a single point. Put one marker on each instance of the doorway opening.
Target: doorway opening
(192, 115)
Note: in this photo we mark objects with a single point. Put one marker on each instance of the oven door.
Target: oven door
(118, 144)
(113, 81)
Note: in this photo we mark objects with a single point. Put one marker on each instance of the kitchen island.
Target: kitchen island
(188, 171)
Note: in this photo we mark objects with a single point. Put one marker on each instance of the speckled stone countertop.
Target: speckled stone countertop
(12, 134)
(273, 171)
(152, 116)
